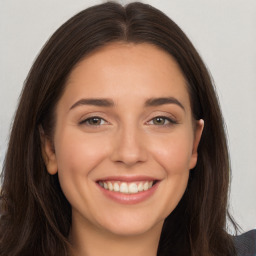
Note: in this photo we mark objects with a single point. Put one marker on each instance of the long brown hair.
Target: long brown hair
(35, 215)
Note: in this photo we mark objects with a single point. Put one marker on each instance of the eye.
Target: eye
(94, 121)
(161, 120)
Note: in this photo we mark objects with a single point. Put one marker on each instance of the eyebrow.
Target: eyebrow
(94, 102)
(110, 103)
(162, 101)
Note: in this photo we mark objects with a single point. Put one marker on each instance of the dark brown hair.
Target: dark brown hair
(35, 215)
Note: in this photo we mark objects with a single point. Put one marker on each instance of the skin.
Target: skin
(128, 141)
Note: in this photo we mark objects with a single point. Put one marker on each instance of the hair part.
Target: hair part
(35, 215)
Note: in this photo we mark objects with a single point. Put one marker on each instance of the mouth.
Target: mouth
(128, 190)
(122, 187)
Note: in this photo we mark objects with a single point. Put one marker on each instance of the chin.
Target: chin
(131, 230)
(132, 226)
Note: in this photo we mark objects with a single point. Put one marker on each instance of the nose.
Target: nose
(129, 147)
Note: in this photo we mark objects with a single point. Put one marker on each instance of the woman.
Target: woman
(118, 145)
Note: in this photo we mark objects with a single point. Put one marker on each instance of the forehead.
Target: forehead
(119, 69)
(129, 57)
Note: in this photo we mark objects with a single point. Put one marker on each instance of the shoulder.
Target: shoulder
(246, 243)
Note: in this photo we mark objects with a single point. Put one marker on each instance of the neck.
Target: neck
(90, 241)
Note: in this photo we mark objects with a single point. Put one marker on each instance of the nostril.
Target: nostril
(128, 150)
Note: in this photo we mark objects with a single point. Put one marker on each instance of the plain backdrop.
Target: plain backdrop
(224, 33)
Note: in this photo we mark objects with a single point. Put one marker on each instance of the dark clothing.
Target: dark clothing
(246, 243)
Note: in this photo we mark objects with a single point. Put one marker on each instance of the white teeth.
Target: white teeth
(133, 188)
(140, 187)
(110, 186)
(145, 186)
(126, 188)
(116, 187)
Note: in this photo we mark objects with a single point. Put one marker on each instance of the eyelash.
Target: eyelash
(166, 119)
(87, 120)
(97, 118)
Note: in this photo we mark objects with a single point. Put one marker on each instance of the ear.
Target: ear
(48, 152)
(198, 133)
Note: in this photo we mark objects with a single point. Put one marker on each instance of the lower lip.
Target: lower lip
(129, 198)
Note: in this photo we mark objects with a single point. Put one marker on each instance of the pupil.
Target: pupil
(159, 120)
(95, 121)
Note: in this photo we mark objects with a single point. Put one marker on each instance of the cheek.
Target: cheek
(77, 156)
(78, 153)
(174, 153)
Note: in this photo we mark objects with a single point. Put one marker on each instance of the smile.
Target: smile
(128, 190)
(126, 187)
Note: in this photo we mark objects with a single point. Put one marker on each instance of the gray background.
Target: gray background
(223, 31)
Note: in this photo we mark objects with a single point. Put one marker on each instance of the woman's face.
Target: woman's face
(124, 139)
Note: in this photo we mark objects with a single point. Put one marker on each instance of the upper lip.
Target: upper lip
(128, 178)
